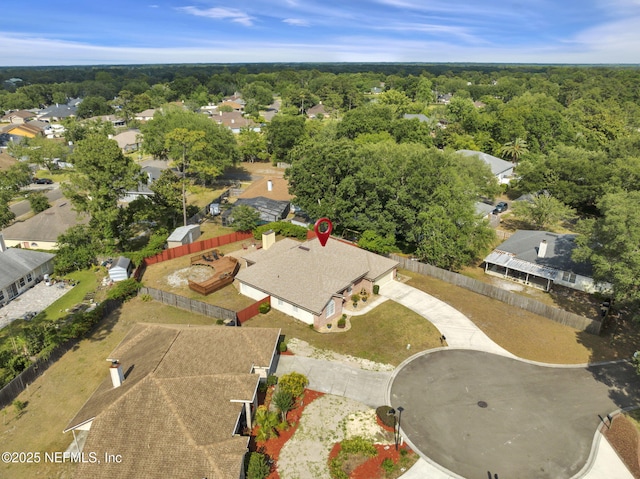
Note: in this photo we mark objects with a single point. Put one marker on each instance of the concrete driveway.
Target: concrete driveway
(476, 413)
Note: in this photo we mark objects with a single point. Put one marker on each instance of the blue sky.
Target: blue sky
(77, 32)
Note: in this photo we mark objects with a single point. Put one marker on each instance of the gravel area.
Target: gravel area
(302, 348)
(35, 299)
(325, 421)
(194, 273)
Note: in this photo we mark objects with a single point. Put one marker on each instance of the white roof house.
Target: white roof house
(502, 169)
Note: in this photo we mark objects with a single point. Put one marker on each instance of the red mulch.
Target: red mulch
(384, 426)
(273, 446)
(623, 436)
(372, 468)
(286, 353)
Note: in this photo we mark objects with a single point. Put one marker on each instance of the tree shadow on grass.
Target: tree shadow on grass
(104, 327)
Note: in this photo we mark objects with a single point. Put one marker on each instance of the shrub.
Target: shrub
(258, 467)
(146, 298)
(335, 468)
(219, 321)
(264, 308)
(359, 445)
(376, 288)
(294, 383)
(272, 380)
(282, 228)
(283, 401)
(19, 405)
(342, 322)
(124, 290)
(267, 421)
(282, 347)
(383, 414)
(387, 466)
(355, 298)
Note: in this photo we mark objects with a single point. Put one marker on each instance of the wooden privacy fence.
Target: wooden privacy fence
(18, 384)
(192, 305)
(555, 314)
(196, 247)
(253, 310)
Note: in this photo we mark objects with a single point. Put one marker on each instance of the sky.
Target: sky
(89, 32)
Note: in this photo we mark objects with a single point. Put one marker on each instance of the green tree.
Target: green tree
(396, 99)
(103, 175)
(252, 145)
(371, 241)
(93, 106)
(514, 150)
(610, 244)
(77, 249)
(283, 133)
(543, 211)
(40, 151)
(38, 201)
(77, 130)
(283, 401)
(245, 218)
(184, 146)
(6, 215)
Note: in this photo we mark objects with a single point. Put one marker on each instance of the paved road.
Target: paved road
(539, 422)
(52, 192)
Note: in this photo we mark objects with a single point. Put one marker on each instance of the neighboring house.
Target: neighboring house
(503, 170)
(419, 116)
(483, 209)
(59, 112)
(129, 141)
(120, 269)
(18, 117)
(234, 121)
(444, 99)
(143, 189)
(42, 230)
(18, 132)
(178, 402)
(542, 259)
(6, 160)
(20, 270)
(311, 282)
(316, 110)
(270, 210)
(146, 115)
(234, 105)
(183, 235)
(114, 120)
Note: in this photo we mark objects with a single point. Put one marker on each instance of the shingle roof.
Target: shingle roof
(15, 263)
(520, 252)
(48, 225)
(129, 137)
(497, 165)
(173, 416)
(279, 191)
(307, 274)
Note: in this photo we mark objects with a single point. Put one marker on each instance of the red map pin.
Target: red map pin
(323, 234)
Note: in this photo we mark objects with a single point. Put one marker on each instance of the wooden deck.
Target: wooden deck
(225, 268)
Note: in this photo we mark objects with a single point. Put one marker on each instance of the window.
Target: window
(331, 308)
(29, 278)
(1, 295)
(22, 282)
(568, 277)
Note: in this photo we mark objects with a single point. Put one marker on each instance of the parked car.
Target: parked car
(500, 208)
(43, 181)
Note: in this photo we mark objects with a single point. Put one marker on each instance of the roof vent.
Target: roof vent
(117, 377)
(542, 249)
(304, 248)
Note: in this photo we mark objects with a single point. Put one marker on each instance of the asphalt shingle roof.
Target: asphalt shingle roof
(497, 165)
(15, 263)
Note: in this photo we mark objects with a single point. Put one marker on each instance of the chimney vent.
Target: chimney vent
(542, 249)
(117, 377)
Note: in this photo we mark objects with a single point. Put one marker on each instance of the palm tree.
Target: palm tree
(514, 149)
(283, 400)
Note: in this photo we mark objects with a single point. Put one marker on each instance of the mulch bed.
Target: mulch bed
(272, 446)
(623, 436)
(371, 468)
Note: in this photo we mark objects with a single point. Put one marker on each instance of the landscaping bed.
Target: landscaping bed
(623, 437)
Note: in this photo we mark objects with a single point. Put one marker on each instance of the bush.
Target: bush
(387, 466)
(359, 445)
(282, 228)
(335, 468)
(19, 405)
(376, 288)
(146, 298)
(282, 347)
(294, 383)
(385, 418)
(124, 290)
(258, 467)
(272, 380)
(355, 298)
(219, 321)
(342, 322)
(264, 308)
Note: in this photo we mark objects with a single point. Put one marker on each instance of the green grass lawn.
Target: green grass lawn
(381, 335)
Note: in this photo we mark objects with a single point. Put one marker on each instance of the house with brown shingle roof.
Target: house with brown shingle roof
(234, 120)
(18, 117)
(311, 282)
(178, 402)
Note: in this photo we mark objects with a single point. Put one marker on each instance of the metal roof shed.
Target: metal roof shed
(120, 269)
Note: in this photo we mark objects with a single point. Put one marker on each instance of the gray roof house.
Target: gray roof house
(311, 282)
(541, 259)
(270, 210)
(503, 170)
(20, 270)
(177, 402)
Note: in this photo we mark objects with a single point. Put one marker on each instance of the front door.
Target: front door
(13, 290)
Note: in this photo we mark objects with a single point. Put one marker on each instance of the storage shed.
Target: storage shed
(183, 235)
(120, 269)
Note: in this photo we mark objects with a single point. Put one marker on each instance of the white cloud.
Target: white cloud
(297, 22)
(218, 13)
